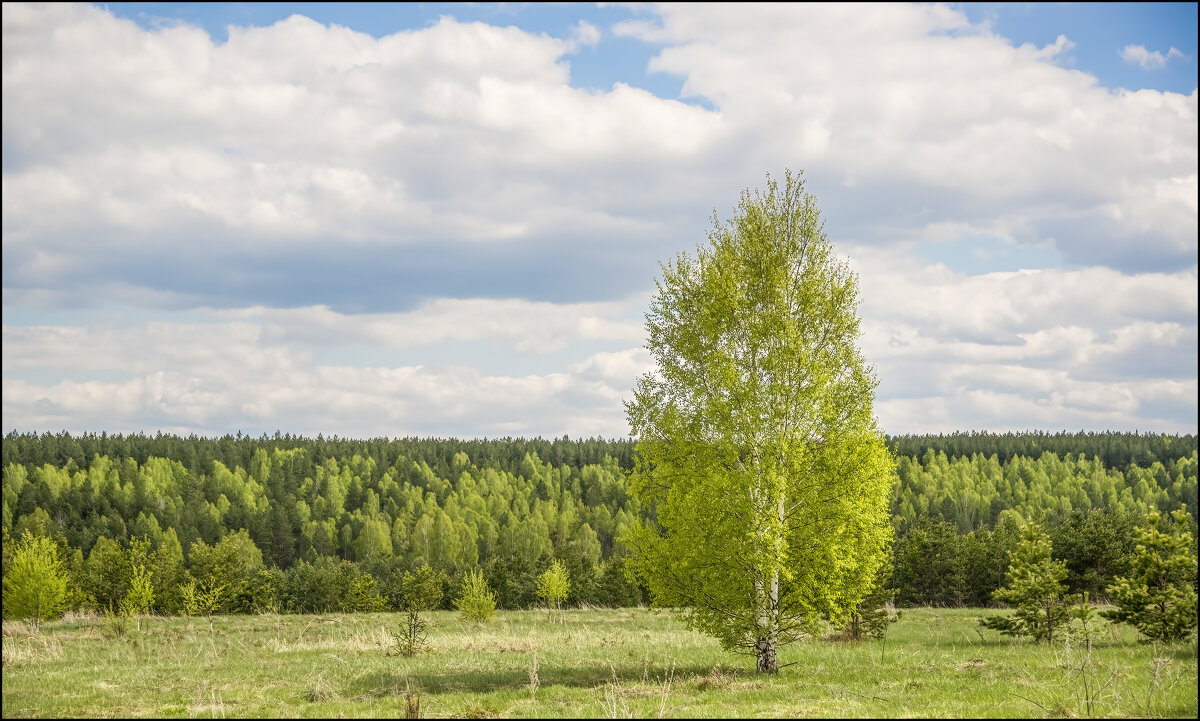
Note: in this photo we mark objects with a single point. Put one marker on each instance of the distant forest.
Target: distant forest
(299, 524)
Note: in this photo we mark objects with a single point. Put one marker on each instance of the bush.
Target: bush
(477, 602)
(553, 586)
(139, 597)
(36, 586)
(872, 616)
(364, 597)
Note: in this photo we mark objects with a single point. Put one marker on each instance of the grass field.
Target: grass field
(595, 663)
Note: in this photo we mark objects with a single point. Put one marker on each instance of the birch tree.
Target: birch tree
(759, 459)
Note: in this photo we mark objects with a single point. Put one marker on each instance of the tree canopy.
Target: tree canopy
(758, 451)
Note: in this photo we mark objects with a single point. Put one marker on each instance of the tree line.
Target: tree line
(240, 524)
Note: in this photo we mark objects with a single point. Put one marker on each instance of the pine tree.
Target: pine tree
(1034, 590)
(1159, 596)
(871, 617)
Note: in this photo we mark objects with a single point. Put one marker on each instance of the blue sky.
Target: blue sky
(445, 219)
(1098, 30)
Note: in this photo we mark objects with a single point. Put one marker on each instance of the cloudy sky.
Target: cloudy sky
(446, 220)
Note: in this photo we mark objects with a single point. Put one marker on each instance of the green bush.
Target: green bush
(364, 596)
(553, 586)
(420, 591)
(477, 602)
(36, 585)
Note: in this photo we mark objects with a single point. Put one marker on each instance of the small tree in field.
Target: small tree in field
(1158, 597)
(364, 596)
(201, 599)
(36, 585)
(763, 473)
(1034, 590)
(553, 586)
(139, 597)
(871, 617)
(477, 602)
(420, 591)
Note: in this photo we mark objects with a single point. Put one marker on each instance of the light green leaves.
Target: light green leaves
(758, 456)
(36, 585)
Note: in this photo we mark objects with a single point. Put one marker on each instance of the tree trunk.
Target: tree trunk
(765, 649)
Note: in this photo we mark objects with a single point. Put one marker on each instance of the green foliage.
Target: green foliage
(109, 570)
(477, 602)
(1034, 590)
(420, 591)
(871, 617)
(553, 586)
(140, 596)
(758, 455)
(203, 598)
(1086, 625)
(364, 596)
(230, 564)
(36, 585)
(266, 591)
(1158, 598)
(510, 506)
(614, 588)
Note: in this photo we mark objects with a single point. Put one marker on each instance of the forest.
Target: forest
(310, 525)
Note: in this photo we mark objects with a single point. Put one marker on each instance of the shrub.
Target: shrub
(477, 602)
(553, 586)
(36, 586)
(420, 591)
(871, 617)
(139, 597)
(364, 596)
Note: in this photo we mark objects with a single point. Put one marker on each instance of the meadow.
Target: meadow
(619, 663)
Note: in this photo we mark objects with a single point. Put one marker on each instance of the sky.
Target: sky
(440, 219)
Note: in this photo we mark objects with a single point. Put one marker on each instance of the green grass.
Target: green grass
(595, 663)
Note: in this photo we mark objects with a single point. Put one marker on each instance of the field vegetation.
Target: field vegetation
(290, 576)
(613, 663)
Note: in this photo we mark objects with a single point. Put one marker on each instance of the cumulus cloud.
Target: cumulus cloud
(317, 191)
(910, 117)
(1092, 348)
(260, 388)
(460, 145)
(1146, 59)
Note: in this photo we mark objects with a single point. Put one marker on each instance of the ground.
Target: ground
(594, 663)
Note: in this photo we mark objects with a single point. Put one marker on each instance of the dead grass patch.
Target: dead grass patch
(715, 678)
(321, 690)
(17, 629)
(31, 650)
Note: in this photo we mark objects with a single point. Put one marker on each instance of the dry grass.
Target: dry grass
(30, 650)
(321, 690)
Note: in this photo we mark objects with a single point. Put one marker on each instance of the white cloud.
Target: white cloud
(240, 391)
(1089, 348)
(1146, 59)
(585, 35)
(929, 120)
(449, 186)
